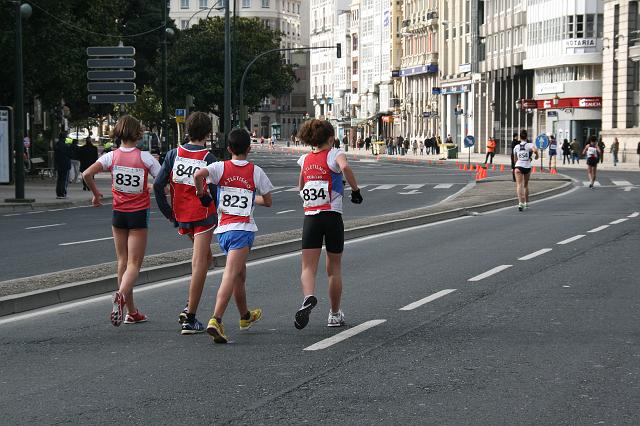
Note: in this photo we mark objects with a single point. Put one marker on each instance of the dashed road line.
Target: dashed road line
(427, 299)
(570, 240)
(598, 229)
(46, 226)
(330, 341)
(414, 186)
(443, 186)
(86, 241)
(621, 182)
(634, 214)
(11, 214)
(285, 211)
(587, 183)
(385, 186)
(535, 254)
(616, 222)
(490, 272)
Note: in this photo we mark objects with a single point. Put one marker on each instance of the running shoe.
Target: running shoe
(335, 320)
(216, 331)
(182, 316)
(520, 206)
(302, 316)
(254, 316)
(192, 327)
(117, 310)
(591, 186)
(525, 206)
(135, 317)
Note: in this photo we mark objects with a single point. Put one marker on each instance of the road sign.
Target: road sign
(106, 63)
(542, 141)
(469, 141)
(111, 86)
(6, 147)
(181, 115)
(111, 98)
(111, 51)
(111, 75)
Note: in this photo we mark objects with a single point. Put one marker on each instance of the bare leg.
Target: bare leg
(199, 266)
(334, 272)
(120, 237)
(240, 293)
(137, 244)
(310, 258)
(526, 187)
(519, 186)
(232, 278)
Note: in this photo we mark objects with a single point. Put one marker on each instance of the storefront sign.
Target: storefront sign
(549, 88)
(573, 43)
(455, 89)
(563, 103)
(464, 68)
(422, 69)
(529, 104)
(387, 119)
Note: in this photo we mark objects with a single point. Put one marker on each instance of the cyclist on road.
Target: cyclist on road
(593, 153)
(321, 189)
(521, 157)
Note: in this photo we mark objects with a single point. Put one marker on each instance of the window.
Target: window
(570, 33)
(354, 44)
(354, 67)
(265, 4)
(590, 29)
(184, 24)
(184, 4)
(246, 4)
(580, 26)
(203, 4)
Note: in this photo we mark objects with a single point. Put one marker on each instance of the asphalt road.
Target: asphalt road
(54, 240)
(551, 338)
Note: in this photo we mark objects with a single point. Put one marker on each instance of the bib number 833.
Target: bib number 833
(127, 180)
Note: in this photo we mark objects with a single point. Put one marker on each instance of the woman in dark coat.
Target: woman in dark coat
(87, 154)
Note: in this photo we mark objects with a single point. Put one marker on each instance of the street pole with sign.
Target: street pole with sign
(227, 77)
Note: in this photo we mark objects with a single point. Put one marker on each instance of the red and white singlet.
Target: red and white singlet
(236, 194)
(186, 206)
(129, 181)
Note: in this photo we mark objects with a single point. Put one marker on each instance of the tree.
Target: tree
(148, 107)
(196, 64)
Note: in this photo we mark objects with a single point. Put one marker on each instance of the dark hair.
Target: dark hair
(316, 132)
(198, 126)
(239, 141)
(523, 135)
(593, 139)
(515, 134)
(127, 128)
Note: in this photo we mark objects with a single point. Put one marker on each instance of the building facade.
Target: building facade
(621, 74)
(280, 115)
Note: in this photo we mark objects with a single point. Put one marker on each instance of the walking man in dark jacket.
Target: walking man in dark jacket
(62, 160)
(87, 154)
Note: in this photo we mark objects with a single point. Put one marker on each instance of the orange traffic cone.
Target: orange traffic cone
(501, 167)
(533, 170)
(494, 168)
(464, 168)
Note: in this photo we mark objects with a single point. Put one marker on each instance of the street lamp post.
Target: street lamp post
(165, 124)
(227, 76)
(22, 11)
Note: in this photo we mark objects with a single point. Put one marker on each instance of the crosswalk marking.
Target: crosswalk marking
(294, 189)
(587, 183)
(621, 182)
(443, 186)
(415, 186)
(386, 186)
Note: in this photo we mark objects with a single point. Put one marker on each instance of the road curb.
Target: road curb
(17, 303)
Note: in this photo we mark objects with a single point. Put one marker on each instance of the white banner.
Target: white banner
(5, 144)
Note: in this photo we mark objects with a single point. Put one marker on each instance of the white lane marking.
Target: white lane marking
(55, 210)
(490, 272)
(412, 192)
(294, 189)
(535, 254)
(427, 299)
(46, 226)
(628, 188)
(634, 214)
(621, 182)
(615, 222)
(598, 229)
(588, 182)
(275, 188)
(443, 186)
(386, 186)
(276, 192)
(414, 186)
(347, 188)
(12, 214)
(570, 240)
(40, 211)
(85, 241)
(562, 194)
(330, 341)
(285, 211)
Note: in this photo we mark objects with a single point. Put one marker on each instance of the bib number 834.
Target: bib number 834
(312, 194)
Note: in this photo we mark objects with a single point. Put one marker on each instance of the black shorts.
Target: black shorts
(592, 161)
(524, 170)
(131, 220)
(324, 225)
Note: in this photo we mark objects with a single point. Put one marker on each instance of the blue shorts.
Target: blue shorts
(235, 240)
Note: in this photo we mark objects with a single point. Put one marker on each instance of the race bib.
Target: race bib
(553, 147)
(184, 169)
(129, 180)
(315, 193)
(523, 155)
(235, 201)
(592, 152)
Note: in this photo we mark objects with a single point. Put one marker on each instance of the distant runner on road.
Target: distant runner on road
(593, 154)
(521, 155)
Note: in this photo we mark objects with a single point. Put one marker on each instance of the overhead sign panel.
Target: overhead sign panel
(111, 63)
(112, 75)
(111, 51)
(106, 86)
(111, 98)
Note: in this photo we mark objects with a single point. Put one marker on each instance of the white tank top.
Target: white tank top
(522, 152)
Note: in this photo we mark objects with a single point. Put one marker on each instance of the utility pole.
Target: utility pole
(227, 77)
(165, 124)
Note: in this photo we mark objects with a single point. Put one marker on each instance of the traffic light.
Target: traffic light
(339, 50)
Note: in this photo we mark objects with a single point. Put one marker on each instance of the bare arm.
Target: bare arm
(199, 179)
(264, 200)
(535, 152)
(88, 175)
(300, 182)
(346, 170)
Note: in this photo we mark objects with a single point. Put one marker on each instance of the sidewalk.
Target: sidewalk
(44, 193)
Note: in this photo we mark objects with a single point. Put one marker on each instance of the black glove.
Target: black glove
(356, 197)
(206, 200)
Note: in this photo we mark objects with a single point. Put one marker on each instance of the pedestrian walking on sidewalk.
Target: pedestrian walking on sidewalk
(414, 147)
(405, 146)
(514, 142)
(87, 154)
(553, 151)
(62, 160)
(422, 147)
(566, 152)
(491, 151)
(575, 152)
(601, 146)
(638, 152)
(522, 154)
(75, 162)
(322, 192)
(615, 147)
(593, 153)
(129, 169)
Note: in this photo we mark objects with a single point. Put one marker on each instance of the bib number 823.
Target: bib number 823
(239, 201)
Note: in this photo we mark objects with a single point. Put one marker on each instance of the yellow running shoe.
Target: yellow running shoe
(254, 316)
(216, 331)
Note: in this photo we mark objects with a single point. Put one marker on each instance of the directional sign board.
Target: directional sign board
(112, 75)
(469, 141)
(542, 141)
(111, 98)
(181, 115)
(107, 63)
(111, 86)
(111, 51)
